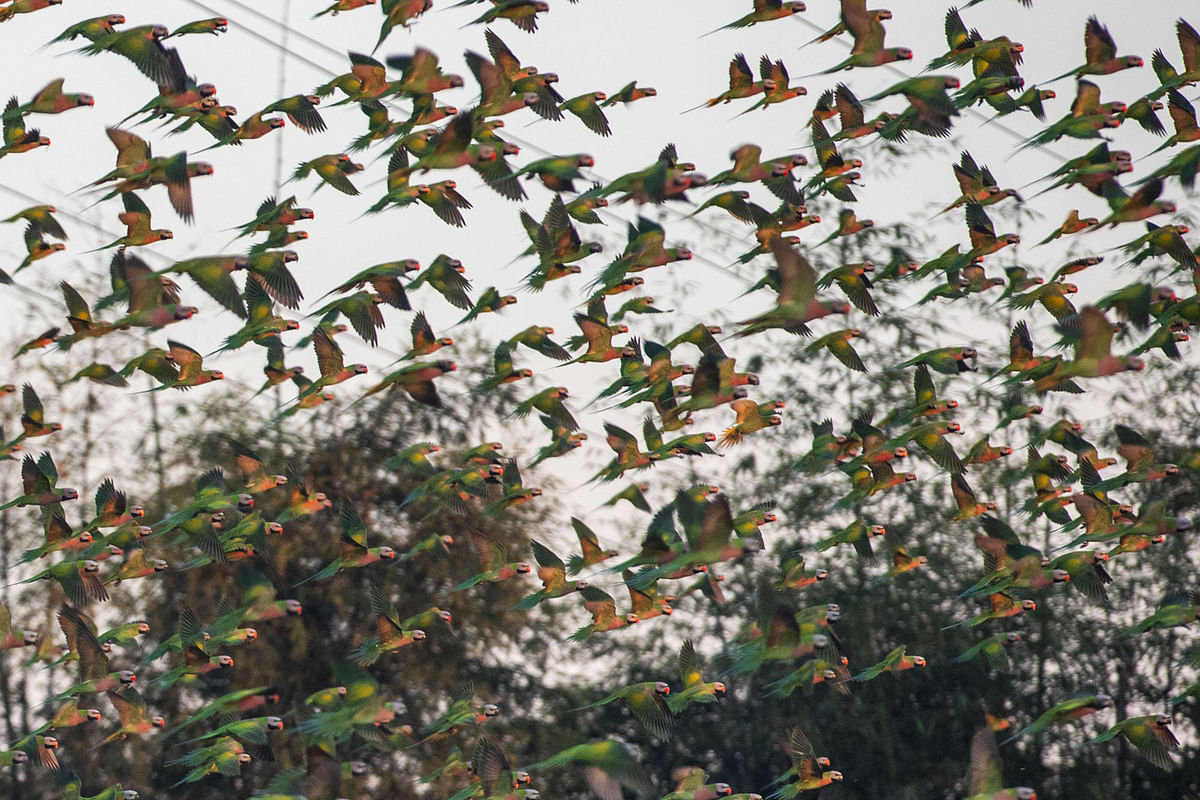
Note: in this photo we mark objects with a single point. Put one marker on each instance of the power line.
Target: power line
(279, 89)
(268, 40)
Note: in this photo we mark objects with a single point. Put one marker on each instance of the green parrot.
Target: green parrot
(329, 699)
(606, 765)
(91, 29)
(1001, 605)
(214, 274)
(36, 746)
(1087, 571)
(60, 537)
(68, 715)
(1151, 735)
(797, 303)
(72, 789)
(39, 479)
(808, 771)
(558, 173)
(399, 12)
(764, 11)
(393, 633)
(198, 651)
(50, 99)
(239, 701)
(14, 638)
(363, 710)
(993, 649)
(1101, 53)
(143, 46)
(301, 109)
(866, 27)
(332, 169)
(741, 83)
(94, 675)
(603, 609)
(385, 281)
(445, 276)
(494, 562)
(490, 301)
(537, 338)
(262, 323)
(553, 573)
(1009, 563)
(462, 711)
(522, 13)
(838, 343)
(629, 93)
(225, 756)
(985, 779)
(894, 661)
(212, 25)
(361, 310)
(794, 573)
(414, 458)
(258, 601)
(131, 711)
(775, 75)
(254, 730)
(355, 552)
(493, 776)
(549, 401)
(209, 496)
(1189, 691)
(417, 379)
(695, 688)
(583, 207)
(1078, 705)
(647, 702)
(102, 374)
(1176, 609)
(812, 672)
(587, 108)
(591, 553)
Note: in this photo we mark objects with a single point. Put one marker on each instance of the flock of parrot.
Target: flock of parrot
(689, 381)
